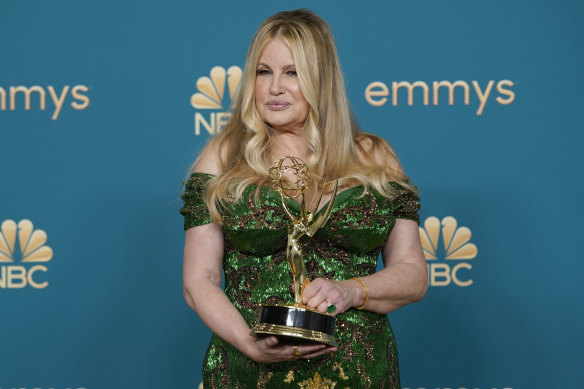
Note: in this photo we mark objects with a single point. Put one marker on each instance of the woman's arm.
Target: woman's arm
(202, 264)
(403, 280)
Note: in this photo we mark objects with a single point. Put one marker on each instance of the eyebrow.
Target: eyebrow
(284, 67)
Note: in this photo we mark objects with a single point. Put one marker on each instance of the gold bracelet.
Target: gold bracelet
(366, 293)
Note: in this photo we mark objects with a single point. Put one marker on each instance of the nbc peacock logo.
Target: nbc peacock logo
(210, 96)
(458, 250)
(33, 250)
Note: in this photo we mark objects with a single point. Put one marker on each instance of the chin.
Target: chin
(278, 123)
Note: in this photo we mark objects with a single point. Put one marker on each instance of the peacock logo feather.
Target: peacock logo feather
(456, 240)
(31, 242)
(212, 88)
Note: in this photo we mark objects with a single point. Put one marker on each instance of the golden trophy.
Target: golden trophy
(296, 322)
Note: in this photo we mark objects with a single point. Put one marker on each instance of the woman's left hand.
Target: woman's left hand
(322, 293)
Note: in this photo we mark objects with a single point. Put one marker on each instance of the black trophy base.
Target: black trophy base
(295, 324)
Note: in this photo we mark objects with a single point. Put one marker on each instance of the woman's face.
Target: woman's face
(278, 97)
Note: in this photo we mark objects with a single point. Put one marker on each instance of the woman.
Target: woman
(292, 102)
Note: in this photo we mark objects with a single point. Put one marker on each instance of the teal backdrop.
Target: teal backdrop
(97, 132)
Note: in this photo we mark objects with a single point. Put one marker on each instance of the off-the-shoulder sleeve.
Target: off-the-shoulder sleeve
(406, 203)
(195, 209)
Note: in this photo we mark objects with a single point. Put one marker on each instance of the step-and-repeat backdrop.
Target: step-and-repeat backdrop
(105, 104)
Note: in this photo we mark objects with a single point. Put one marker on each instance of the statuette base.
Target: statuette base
(295, 324)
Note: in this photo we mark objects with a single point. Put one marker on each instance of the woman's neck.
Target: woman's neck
(289, 144)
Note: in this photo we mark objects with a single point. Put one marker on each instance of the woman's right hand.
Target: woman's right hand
(270, 350)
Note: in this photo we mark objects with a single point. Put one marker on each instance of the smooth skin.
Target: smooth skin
(280, 102)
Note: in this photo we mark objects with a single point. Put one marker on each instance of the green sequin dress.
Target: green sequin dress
(256, 271)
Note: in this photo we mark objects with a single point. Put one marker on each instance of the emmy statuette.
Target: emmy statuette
(296, 322)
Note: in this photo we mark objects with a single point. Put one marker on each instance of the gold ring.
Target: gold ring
(295, 351)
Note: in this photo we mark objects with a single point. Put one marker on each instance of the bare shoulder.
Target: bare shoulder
(373, 150)
(208, 160)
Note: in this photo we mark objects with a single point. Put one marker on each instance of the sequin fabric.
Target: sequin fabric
(256, 272)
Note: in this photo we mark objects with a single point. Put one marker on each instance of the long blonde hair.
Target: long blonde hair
(339, 150)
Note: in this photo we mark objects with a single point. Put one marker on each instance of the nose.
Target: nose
(275, 86)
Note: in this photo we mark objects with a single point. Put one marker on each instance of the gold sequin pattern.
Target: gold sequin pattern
(317, 383)
(264, 378)
(364, 376)
(339, 367)
(289, 376)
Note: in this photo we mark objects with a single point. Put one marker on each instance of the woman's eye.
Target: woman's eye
(262, 72)
(292, 72)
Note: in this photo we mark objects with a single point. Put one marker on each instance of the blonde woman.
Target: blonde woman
(292, 102)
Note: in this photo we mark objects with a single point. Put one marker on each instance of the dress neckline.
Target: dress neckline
(339, 199)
